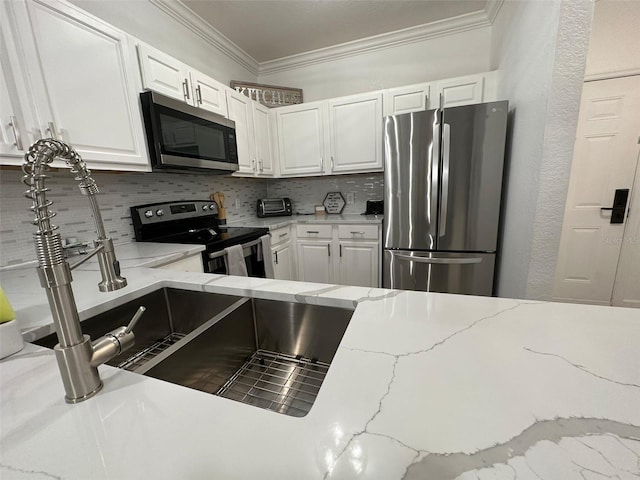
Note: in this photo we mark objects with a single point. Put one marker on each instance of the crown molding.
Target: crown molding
(440, 28)
(194, 22)
(177, 10)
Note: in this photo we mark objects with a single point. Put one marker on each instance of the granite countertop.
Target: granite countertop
(277, 222)
(423, 386)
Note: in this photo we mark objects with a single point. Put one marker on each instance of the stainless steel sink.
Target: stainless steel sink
(266, 353)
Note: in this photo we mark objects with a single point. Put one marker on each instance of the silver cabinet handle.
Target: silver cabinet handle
(313, 231)
(329, 248)
(13, 123)
(253, 163)
(185, 89)
(446, 147)
(321, 163)
(332, 163)
(276, 254)
(439, 260)
(357, 233)
(51, 128)
(199, 94)
(261, 163)
(340, 249)
(282, 235)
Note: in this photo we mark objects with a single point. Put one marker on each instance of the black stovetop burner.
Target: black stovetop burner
(190, 222)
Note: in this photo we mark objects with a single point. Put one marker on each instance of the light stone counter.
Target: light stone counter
(277, 222)
(423, 386)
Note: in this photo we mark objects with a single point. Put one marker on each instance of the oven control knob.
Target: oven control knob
(212, 207)
(160, 212)
(205, 207)
(148, 214)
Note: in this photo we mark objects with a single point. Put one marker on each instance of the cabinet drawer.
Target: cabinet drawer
(313, 231)
(280, 235)
(358, 232)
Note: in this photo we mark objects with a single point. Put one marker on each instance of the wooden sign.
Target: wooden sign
(269, 95)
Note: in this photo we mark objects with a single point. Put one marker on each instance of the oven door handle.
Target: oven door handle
(222, 253)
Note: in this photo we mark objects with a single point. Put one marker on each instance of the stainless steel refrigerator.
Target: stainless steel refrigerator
(443, 188)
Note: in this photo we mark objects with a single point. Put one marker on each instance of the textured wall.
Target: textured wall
(431, 59)
(305, 193)
(539, 48)
(118, 193)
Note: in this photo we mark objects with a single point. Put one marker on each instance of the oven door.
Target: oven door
(253, 259)
(182, 137)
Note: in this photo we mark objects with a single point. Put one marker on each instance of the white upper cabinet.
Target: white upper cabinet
(264, 145)
(355, 130)
(412, 98)
(169, 76)
(83, 81)
(461, 91)
(241, 112)
(208, 93)
(301, 139)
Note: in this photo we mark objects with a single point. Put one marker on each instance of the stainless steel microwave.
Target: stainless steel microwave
(184, 138)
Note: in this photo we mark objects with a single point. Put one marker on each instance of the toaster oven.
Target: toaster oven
(274, 207)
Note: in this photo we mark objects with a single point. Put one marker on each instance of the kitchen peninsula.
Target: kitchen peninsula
(422, 386)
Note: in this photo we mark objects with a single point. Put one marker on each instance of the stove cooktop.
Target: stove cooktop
(215, 239)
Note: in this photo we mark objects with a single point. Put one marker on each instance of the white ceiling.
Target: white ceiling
(272, 29)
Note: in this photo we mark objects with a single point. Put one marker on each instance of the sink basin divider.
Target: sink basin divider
(189, 337)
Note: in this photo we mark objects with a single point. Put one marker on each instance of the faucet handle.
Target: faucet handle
(135, 319)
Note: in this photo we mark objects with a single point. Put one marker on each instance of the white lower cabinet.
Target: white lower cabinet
(358, 263)
(342, 254)
(284, 262)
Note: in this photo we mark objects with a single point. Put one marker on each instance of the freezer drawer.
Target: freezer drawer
(465, 273)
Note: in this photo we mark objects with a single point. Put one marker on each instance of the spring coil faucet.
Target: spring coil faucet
(78, 358)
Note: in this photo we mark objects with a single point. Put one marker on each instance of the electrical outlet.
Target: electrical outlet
(351, 198)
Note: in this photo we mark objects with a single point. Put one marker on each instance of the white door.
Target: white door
(283, 264)
(626, 290)
(315, 261)
(85, 83)
(301, 140)
(240, 111)
(605, 159)
(208, 93)
(358, 264)
(355, 128)
(164, 74)
(264, 148)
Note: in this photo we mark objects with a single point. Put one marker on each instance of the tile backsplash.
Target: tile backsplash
(307, 192)
(119, 191)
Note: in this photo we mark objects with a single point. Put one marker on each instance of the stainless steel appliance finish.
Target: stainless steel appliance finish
(265, 353)
(274, 207)
(182, 138)
(443, 188)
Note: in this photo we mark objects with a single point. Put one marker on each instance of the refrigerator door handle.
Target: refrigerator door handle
(446, 147)
(439, 260)
(432, 203)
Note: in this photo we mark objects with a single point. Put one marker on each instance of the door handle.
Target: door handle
(619, 205)
(440, 260)
(13, 123)
(446, 147)
(276, 253)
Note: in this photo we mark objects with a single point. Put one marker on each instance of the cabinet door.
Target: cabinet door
(301, 139)
(85, 83)
(17, 122)
(283, 262)
(264, 149)
(459, 91)
(355, 126)
(412, 98)
(208, 93)
(315, 261)
(241, 112)
(164, 74)
(358, 263)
